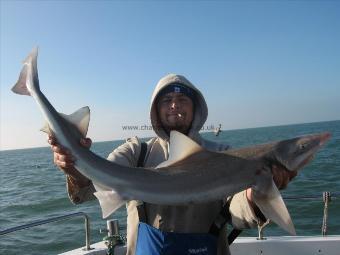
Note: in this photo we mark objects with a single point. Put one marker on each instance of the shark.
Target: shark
(290, 154)
(191, 174)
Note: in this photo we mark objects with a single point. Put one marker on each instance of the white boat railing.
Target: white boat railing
(114, 237)
(55, 219)
(327, 197)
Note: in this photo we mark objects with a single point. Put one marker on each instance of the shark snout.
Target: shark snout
(324, 137)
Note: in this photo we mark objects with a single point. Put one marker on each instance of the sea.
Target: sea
(32, 188)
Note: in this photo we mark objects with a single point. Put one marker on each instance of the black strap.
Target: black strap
(141, 213)
(233, 235)
(141, 208)
(222, 218)
(220, 221)
(142, 154)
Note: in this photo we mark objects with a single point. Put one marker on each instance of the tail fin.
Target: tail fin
(20, 87)
(29, 73)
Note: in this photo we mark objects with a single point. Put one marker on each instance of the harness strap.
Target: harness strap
(140, 163)
(222, 218)
(141, 213)
(142, 154)
(233, 235)
(220, 221)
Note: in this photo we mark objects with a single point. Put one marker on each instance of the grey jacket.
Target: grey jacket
(196, 218)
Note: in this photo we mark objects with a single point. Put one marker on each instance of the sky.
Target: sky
(258, 63)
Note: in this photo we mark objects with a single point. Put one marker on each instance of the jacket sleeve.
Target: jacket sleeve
(79, 194)
(242, 214)
(126, 154)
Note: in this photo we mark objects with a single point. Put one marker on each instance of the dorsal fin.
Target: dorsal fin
(80, 119)
(181, 147)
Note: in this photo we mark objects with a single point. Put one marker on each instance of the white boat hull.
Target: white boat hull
(278, 245)
(287, 245)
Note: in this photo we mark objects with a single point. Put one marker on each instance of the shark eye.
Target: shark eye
(303, 146)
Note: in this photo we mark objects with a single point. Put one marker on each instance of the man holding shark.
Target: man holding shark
(176, 105)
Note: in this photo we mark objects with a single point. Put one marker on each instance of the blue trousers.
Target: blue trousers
(152, 241)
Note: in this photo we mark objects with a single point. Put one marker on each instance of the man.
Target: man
(176, 104)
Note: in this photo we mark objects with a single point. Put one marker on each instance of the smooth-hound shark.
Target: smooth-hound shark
(190, 175)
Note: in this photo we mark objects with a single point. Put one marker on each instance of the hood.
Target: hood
(201, 109)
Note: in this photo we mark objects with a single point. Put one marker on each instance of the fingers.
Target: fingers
(62, 157)
(51, 140)
(64, 161)
(282, 176)
(86, 142)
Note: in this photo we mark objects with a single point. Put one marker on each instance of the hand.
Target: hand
(65, 161)
(282, 176)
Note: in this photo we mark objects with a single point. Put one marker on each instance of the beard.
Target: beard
(177, 126)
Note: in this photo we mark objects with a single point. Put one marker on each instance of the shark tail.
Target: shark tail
(28, 70)
(274, 208)
(20, 87)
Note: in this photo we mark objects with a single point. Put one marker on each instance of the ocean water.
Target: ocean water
(31, 188)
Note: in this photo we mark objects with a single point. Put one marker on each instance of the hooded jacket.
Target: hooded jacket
(193, 218)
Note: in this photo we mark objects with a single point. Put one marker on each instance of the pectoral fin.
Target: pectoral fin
(274, 208)
(109, 201)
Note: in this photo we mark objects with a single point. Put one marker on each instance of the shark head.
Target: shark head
(295, 153)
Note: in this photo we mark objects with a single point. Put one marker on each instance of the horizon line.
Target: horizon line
(226, 130)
